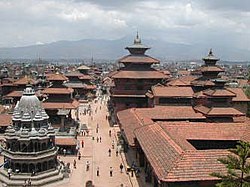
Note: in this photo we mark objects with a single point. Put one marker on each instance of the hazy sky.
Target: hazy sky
(224, 22)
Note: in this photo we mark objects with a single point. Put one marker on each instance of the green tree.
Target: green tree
(238, 167)
(247, 92)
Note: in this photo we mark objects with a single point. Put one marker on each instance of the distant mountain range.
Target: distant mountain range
(113, 49)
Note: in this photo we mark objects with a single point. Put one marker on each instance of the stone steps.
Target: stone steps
(38, 180)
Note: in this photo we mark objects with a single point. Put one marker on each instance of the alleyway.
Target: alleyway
(96, 153)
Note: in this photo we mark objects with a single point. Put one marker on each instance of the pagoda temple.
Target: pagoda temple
(60, 101)
(29, 150)
(80, 82)
(210, 70)
(135, 78)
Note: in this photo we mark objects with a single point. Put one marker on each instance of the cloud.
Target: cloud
(201, 22)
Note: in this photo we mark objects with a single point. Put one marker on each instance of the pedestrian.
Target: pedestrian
(113, 144)
(29, 182)
(82, 144)
(109, 133)
(110, 171)
(116, 152)
(87, 165)
(100, 139)
(97, 172)
(82, 132)
(25, 182)
(121, 167)
(79, 156)
(9, 172)
(97, 139)
(64, 152)
(74, 163)
(109, 152)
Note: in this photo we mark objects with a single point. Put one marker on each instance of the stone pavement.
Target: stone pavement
(97, 154)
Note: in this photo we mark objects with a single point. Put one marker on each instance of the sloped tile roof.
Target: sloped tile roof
(5, 120)
(218, 111)
(68, 141)
(24, 81)
(140, 74)
(129, 122)
(219, 93)
(211, 69)
(240, 95)
(174, 159)
(169, 112)
(60, 105)
(170, 91)
(56, 77)
(143, 59)
(58, 91)
(197, 165)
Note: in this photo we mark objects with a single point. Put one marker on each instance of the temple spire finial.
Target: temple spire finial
(137, 38)
(210, 52)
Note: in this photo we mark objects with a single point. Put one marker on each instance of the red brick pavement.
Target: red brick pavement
(97, 154)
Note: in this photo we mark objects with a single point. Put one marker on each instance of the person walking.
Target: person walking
(113, 144)
(79, 156)
(82, 144)
(87, 165)
(109, 152)
(97, 139)
(110, 171)
(74, 163)
(97, 172)
(64, 152)
(100, 139)
(121, 167)
(116, 152)
(109, 133)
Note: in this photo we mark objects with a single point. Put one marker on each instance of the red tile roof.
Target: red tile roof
(169, 113)
(133, 118)
(211, 69)
(143, 59)
(24, 81)
(18, 94)
(205, 131)
(170, 91)
(219, 93)
(68, 141)
(85, 77)
(197, 165)
(137, 74)
(60, 105)
(5, 120)
(58, 91)
(73, 74)
(199, 82)
(161, 152)
(174, 159)
(182, 81)
(56, 77)
(218, 111)
(240, 95)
